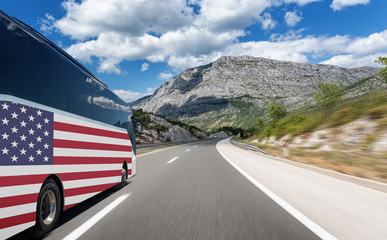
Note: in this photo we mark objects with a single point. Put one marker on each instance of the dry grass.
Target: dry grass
(359, 164)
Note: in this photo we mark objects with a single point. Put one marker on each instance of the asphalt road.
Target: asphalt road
(185, 192)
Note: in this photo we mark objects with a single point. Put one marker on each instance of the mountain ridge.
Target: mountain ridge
(234, 91)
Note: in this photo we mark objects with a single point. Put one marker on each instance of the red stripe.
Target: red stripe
(129, 171)
(88, 130)
(90, 160)
(18, 200)
(39, 178)
(17, 220)
(88, 189)
(69, 206)
(21, 180)
(59, 143)
(87, 175)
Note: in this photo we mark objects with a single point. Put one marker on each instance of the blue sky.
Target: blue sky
(135, 46)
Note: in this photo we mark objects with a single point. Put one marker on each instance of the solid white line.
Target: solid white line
(89, 223)
(319, 231)
(188, 150)
(173, 159)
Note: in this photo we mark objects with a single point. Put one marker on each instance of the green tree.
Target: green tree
(275, 111)
(327, 95)
(383, 72)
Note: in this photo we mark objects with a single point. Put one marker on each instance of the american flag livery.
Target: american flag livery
(35, 143)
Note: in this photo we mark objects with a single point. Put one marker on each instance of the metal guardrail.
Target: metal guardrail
(249, 146)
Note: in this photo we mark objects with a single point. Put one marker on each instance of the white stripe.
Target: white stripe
(19, 190)
(18, 210)
(173, 159)
(87, 225)
(75, 121)
(319, 231)
(69, 152)
(50, 169)
(188, 150)
(79, 198)
(90, 138)
(8, 232)
(90, 182)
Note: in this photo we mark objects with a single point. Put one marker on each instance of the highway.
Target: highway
(193, 192)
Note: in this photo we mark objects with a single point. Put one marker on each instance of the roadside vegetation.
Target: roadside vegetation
(330, 113)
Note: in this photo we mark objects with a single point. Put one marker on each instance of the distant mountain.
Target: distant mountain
(234, 91)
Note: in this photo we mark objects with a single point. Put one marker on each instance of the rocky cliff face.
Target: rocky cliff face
(234, 91)
(160, 130)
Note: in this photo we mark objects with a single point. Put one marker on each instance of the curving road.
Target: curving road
(185, 192)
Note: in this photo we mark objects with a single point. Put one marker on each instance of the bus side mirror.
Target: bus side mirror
(139, 128)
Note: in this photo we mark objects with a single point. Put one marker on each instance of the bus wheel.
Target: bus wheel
(48, 208)
(123, 178)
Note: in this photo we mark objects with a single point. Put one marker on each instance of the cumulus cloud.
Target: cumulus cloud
(267, 22)
(338, 5)
(130, 96)
(144, 67)
(173, 32)
(346, 51)
(165, 76)
(291, 18)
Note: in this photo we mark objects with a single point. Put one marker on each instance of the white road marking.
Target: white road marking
(173, 159)
(319, 231)
(188, 150)
(89, 223)
(195, 146)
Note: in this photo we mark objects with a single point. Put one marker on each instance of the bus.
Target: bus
(64, 135)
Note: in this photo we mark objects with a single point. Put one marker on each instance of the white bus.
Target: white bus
(64, 136)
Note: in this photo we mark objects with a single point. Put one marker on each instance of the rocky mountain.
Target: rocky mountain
(234, 91)
(157, 129)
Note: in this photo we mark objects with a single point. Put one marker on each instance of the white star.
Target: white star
(5, 136)
(5, 150)
(14, 144)
(14, 115)
(39, 152)
(46, 133)
(23, 152)
(46, 120)
(46, 146)
(39, 139)
(31, 145)
(5, 106)
(32, 118)
(31, 131)
(5, 121)
(23, 138)
(46, 158)
(14, 158)
(23, 124)
(14, 130)
(23, 109)
(31, 158)
(39, 126)
(39, 113)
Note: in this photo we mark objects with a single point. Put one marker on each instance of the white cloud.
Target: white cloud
(352, 60)
(130, 96)
(165, 76)
(338, 5)
(267, 22)
(341, 50)
(110, 32)
(289, 35)
(291, 18)
(144, 67)
(299, 2)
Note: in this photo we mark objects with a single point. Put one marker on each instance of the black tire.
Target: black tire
(48, 208)
(123, 179)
